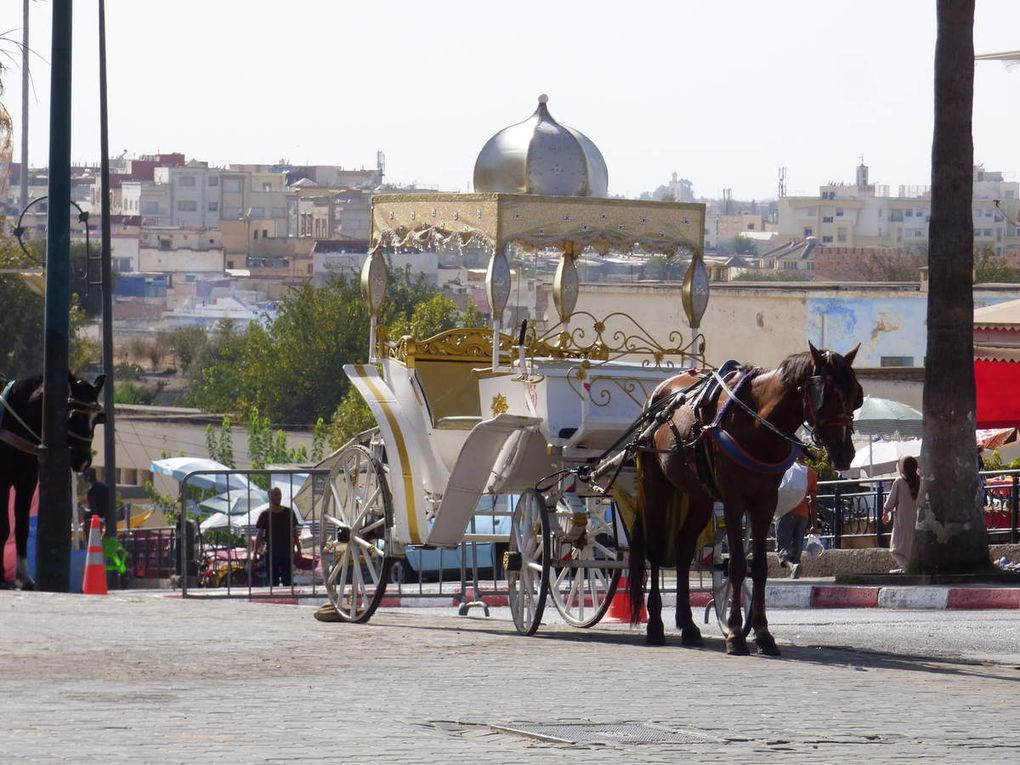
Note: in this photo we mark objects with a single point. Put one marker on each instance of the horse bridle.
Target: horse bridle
(816, 391)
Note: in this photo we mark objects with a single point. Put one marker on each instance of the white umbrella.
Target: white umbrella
(179, 467)
(882, 456)
(235, 502)
(240, 521)
(888, 419)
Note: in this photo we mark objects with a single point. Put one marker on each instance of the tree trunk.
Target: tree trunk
(950, 536)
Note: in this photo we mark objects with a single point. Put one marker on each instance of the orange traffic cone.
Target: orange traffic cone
(94, 582)
(619, 606)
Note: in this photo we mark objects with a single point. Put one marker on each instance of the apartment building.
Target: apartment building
(862, 215)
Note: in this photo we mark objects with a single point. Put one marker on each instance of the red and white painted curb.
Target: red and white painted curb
(777, 595)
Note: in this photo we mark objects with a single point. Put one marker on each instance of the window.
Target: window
(187, 205)
(809, 231)
(186, 180)
(810, 265)
(839, 212)
(841, 234)
(214, 180)
(257, 212)
(826, 239)
(918, 234)
(278, 213)
(827, 219)
(265, 233)
(214, 206)
(231, 213)
(150, 208)
(897, 361)
(232, 185)
(909, 214)
(267, 187)
(255, 234)
(790, 265)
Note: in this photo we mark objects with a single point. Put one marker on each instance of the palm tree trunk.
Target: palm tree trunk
(950, 535)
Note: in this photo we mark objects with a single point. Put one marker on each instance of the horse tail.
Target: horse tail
(636, 581)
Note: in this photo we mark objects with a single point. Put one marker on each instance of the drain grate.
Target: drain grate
(601, 733)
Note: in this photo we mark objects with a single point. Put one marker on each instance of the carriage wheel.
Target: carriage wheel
(527, 561)
(721, 585)
(356, 519)
(582, 589)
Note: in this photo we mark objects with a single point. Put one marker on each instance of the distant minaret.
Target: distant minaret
(862, 173)
(782, 182)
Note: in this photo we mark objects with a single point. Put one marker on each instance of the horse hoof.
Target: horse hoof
(27, 584)
(737, 646)
(691, 636)
(767, 645)
(655, 637)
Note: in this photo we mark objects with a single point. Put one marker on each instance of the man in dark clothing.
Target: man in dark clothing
(97, 498)
(282, 526)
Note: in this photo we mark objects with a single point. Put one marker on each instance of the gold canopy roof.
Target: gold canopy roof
(533, 222)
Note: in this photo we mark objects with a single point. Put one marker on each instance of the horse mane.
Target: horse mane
(796, 368)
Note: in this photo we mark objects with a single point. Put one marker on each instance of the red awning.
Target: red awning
(998, 394)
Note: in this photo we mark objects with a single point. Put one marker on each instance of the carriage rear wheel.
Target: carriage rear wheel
(722, 587)
(527, 561)
(356, 520)
(584, 545)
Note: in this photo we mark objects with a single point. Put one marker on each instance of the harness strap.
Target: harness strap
(7, 407)
(733, 397)
(19, 443)
(738, 454)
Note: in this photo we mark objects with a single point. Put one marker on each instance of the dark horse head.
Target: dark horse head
(84, 413)
(831, 393)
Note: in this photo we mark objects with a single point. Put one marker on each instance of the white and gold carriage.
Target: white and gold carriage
(473, 412)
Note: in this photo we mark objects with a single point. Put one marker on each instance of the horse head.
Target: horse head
(84, 413)
(831, 395)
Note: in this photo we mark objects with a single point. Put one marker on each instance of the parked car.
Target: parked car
(492, 516)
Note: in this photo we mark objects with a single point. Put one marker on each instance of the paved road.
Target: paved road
(143, 678)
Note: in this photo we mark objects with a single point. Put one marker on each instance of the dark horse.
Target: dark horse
(21, 406)
(744, 430)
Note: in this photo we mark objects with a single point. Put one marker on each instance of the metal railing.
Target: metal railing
(850, 511)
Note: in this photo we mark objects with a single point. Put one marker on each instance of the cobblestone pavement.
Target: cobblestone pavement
(145, 678)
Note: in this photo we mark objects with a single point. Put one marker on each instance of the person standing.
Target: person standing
(791, 528)
(901, 510)
(283, 528)
(97, 498)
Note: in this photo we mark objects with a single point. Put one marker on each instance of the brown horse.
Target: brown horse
(745, 433)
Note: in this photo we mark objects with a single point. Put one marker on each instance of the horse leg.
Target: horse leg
(761, 517)
(656, 633)
(5, 531)
(736, 643)
(697, 517)
(24, 490)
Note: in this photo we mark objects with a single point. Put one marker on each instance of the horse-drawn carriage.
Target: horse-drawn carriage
(567, 403)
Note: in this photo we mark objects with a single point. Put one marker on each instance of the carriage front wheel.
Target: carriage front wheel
(586, 559)
(356, 520)
(527, 561)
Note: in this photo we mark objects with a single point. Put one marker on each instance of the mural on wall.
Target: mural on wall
(892, 331)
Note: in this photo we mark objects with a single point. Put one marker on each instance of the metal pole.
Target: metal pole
(837, 520)
(54, 541)
(24, 108)
(109, 436)
(1014, 504)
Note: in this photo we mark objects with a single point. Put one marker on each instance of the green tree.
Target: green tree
(352, 416)
(990, 268)
(472, 317)
(221, 443)
(950, 532)
(186, 345)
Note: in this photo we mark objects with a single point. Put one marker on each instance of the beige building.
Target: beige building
(863, 215)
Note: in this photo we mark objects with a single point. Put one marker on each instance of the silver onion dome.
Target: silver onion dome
(541, 156)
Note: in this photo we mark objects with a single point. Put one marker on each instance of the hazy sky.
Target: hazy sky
(722, 92)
